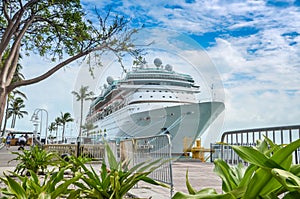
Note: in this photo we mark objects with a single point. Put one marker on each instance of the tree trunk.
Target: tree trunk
(81, 116)
(6, 118)
(3, 96)
(57, 134)
(13, 121)
(63, 135)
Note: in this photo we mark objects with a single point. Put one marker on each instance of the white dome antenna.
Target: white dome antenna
(109, 80)
(157, 62)
(168, 67)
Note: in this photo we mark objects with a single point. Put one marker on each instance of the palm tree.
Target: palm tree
(15, 110)
(82, 95)
(57, 123)
(88, 127)
(64, 119)
(52, 128)
(10, 97)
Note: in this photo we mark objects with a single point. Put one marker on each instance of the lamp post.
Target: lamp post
(35, 119)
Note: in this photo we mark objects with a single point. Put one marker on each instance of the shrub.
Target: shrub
(270, 174)
(36, 159)
(51, 187)
(115, 182)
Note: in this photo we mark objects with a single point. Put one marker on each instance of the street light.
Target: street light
(35, 120)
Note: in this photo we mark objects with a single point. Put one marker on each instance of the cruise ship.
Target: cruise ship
(152, 101)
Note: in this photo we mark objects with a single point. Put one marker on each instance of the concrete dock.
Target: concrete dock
(201, 176)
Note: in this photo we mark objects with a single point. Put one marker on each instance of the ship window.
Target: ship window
(160, 91)
(170, 96)
(153, 91)
(140, 96)
(147, 91)
(151, 96)
(166, 91)
(164, 96)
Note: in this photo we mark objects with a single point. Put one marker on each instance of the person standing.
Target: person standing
(8, 140)
(22, 142)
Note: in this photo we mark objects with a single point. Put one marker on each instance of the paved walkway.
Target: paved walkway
(201, 176)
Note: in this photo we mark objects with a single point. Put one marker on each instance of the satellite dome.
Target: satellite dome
(168, 67)
(157, 62)
(109, 80)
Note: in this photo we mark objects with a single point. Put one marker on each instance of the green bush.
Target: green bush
(111, 182)
(35, 159)
(270, 174)
(53, 186)
(115, 182)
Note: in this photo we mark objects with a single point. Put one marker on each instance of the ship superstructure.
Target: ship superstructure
(150, 101)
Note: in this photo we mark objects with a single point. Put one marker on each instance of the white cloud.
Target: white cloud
(270, 97)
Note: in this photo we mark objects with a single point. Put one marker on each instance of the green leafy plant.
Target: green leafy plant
(115, 182)
(35, 159)
(54, 185)
(270, 174)
(73, 163)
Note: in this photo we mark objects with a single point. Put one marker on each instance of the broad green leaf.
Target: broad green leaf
(62, 188)
(229, 181)
(295, 169)
(287, 179)
(291, 195)
(262, 177)
(113, 164)
(254, 156)
(15, 188)
(189, 187)
(203, 194)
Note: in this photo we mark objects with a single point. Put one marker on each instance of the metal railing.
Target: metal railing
(62, 148)
(136, 150)
(248, 137)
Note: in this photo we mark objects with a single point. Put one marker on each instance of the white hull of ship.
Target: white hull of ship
(184, 122)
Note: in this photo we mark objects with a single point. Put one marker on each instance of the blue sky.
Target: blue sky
(254, 45)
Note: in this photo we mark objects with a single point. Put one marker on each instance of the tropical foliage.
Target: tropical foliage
(82, 95)
(15, 110)
(53, 185)
(87, 127)
(35, 159)
(112, 182)
(64, 119)
(270, 174)
(115, 181)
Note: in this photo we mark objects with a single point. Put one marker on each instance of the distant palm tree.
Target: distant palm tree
(52, 128)
(10, 98)
(64, 119)
(15, 110)
(17, 77)
(82, 95)
(57, 123)
(88, 127)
